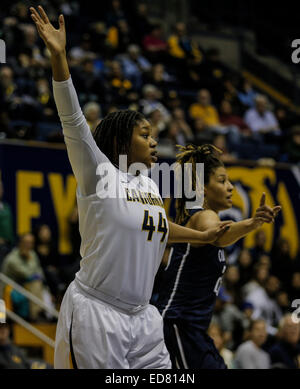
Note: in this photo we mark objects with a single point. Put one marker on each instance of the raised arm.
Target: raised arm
(208, 219)
(84, 154)
(55, 40)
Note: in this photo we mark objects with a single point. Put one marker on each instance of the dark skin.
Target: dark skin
(142, 143)
(218, 194)
(143, 146)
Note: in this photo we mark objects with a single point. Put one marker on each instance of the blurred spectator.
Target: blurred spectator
(80, 53)
(260, 119)
(283, 301)
(245, 264)
(282, 263)
(92, 112)
(265, 304)
(212, 67)
(181, 46)
(154, 44)
(116, 12)
(23, 266)
(98, 42)
(247, 94)
(230, 319)
(230, 94)
(134, 65)
(247, 308)
(212, 75)
(19, 106)
(174, 134)
(72, 262)
(294, 287)
(88, 83)
(227, 118)
(159, 78)
(120, 89)
(203, 134)
(6, 226)
(140, 21)
(231, 283)
(284, 118)
(259, 245)
(178, 116)
(250, 354)
(172, 100)
(204, 110)
(158, 123)
(49, 259)
(292, 146)
(286, 351)
(30, 42)
(215, 332)
(264, 260)
(120, 36)
(257, 281)
(11, 357)
(220, 142)
(151, 101)
(45, 98)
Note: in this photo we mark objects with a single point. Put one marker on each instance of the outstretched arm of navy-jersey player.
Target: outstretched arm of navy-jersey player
(83, 152)
(207, 219)
(180, 234)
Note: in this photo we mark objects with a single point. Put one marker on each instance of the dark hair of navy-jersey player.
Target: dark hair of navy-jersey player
(193, 273)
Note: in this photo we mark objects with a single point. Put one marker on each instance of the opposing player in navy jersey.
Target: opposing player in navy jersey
(105, 319)
(193, 273)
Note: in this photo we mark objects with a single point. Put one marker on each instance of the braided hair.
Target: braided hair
(206, 154)
(113, 134)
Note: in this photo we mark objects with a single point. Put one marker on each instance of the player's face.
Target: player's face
(218, 192)
(143, 146)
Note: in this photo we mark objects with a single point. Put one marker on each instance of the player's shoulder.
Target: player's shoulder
(207, 218)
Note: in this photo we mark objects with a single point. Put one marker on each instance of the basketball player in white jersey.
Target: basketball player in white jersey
(105, 318)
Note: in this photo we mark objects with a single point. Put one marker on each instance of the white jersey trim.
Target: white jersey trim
(177, 280)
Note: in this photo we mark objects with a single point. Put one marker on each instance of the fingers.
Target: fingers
(265, 216)
(37, 23)
(223, 228)
(61, 20)
(225, 223)
(35, 15)
(43, 14)
(262, 200)
(276, 210)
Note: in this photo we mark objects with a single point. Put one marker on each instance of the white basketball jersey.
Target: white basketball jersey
(123, 238)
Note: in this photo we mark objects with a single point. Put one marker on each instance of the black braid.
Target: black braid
(206, 154)
(113, 134)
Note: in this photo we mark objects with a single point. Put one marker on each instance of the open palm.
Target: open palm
(54, 39)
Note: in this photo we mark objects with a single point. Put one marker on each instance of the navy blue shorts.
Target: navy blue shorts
(190, 347)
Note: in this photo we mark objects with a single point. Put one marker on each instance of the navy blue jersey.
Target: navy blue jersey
(191, 282)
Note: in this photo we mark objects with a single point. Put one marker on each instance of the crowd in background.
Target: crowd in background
(120, 59)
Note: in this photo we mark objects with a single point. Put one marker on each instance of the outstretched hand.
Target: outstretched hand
(264, 213)
(54, 39)
(213, 234)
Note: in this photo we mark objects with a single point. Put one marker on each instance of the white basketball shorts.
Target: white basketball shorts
(91, 334)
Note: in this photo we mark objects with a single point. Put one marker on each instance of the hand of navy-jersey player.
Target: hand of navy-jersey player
(264, 213)
(215, 233)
